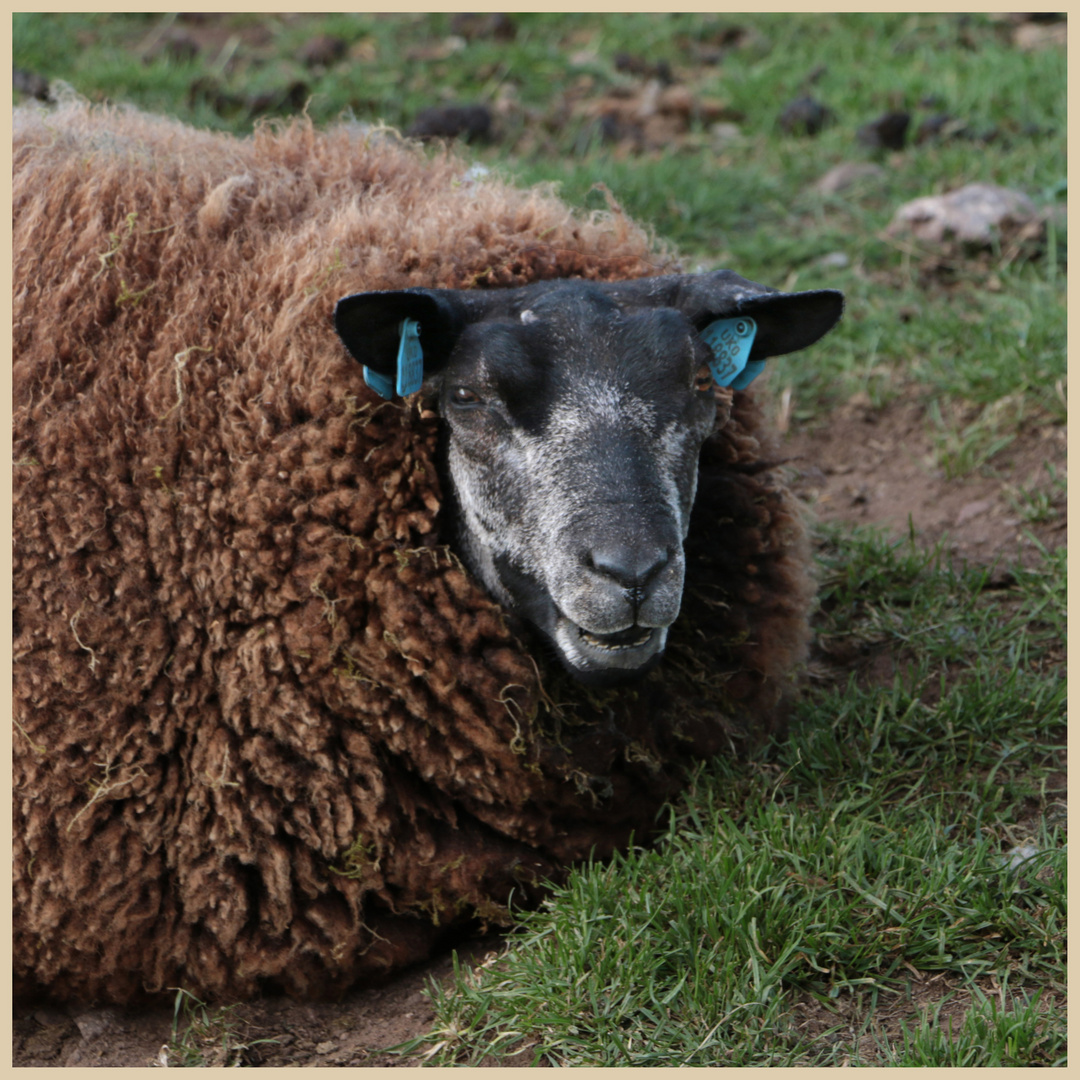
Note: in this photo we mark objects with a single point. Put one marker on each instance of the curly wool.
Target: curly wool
(270, 735)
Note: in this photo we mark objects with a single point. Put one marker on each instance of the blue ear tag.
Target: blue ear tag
(382, 386)
(410, 365)
(410, 359)
(749, 373)
(731, 341)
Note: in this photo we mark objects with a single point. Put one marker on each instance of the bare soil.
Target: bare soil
(865, 466)
(878, 467)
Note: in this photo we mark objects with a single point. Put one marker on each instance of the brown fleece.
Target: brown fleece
(269, 733)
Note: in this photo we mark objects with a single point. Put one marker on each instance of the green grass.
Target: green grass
(204, 1037)
(868, 846)
(829, 869)
(1038, 506)
(991, 1035)
(748, 205)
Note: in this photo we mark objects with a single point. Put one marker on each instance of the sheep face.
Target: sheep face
(574, 434)
(575, 416)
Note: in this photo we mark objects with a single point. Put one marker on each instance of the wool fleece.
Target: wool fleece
(269, 734)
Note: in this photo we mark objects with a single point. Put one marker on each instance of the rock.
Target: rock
(50, 1017)
(974, 214)
(973, 510)
(1030, 36)
(887, 132)
(322, 50)
(835, 260)
(804, 116)
(676, 101)
(46, 1043)
(30, 83)
(637, 65)
(95, 1022)
(472, 25)
(710, 109)
(723, 135)
(843, 176)
(451, 121)
(941, 126)
(650, 117)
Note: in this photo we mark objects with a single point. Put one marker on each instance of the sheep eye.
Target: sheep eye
(703, 380)
(462, 395)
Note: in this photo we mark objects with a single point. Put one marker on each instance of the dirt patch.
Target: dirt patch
(866, 466)
(879, 467)
(357, 1030)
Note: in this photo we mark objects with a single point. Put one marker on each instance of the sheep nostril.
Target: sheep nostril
(633, 567)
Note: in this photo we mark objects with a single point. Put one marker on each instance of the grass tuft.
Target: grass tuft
(204, 1037)
(991, 1035)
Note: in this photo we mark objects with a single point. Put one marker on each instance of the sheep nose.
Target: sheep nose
(632, 566)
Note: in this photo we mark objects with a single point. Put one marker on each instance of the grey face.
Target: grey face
(575, 413)
(574, 434)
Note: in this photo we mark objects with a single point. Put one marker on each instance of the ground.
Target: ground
(862, 465)
(877, 467)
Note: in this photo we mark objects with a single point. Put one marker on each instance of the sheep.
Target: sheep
(281, 722)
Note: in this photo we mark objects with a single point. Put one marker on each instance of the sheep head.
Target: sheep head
(575, 414)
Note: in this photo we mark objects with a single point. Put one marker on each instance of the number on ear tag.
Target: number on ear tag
(731, 341)
(410, 366)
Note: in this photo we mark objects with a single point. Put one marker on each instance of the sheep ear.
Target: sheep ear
(743, 323)
(784, 322)
(787, 322)
(375, 328)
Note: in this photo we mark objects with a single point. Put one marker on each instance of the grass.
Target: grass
(204, 1037)
(748, 204)
(842, 866)
(796, 908)
(1038, 506)
(991, 1035)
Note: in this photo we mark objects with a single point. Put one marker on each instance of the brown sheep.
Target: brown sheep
(270, 734)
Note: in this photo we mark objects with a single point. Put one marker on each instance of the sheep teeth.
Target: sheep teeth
(613, 642)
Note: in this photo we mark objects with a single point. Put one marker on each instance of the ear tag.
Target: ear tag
(410, 359)
(382, 386)
(731, 341)
(749, 373)
(410, 365)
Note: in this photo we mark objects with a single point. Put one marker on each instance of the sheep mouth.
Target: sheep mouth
(590, 656)
(634, 637)
(608, 659)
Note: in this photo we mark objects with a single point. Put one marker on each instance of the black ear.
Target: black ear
(785, 321)
(788, 322)
(370, 326)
